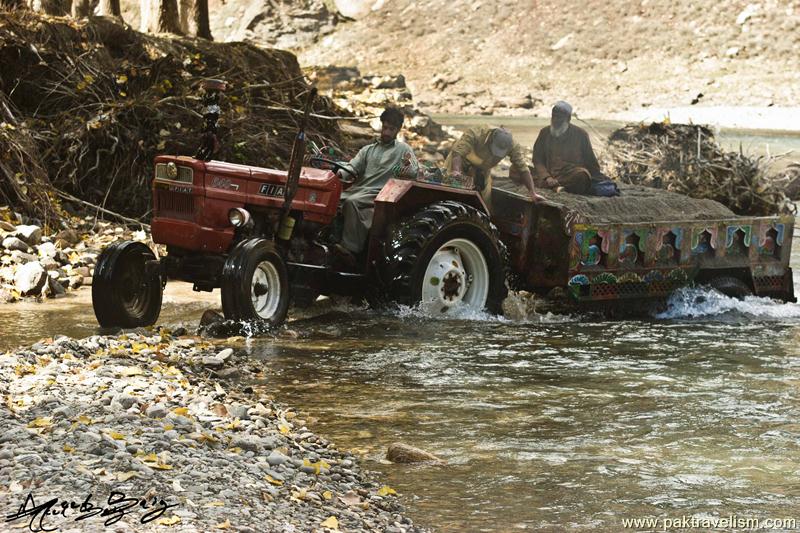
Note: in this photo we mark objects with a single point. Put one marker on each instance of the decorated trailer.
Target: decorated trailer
(643, 244)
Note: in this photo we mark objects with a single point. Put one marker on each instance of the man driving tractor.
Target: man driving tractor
(372, 167)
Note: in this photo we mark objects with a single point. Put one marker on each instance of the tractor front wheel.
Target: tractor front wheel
(125, 293)
(255, 283)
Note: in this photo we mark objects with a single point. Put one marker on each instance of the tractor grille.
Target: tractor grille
(172, 204)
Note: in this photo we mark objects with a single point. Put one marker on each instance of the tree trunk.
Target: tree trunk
(199, 25)
(51, 7)
(185, 9)
(160, 16)
(81, 8)
(108, 8)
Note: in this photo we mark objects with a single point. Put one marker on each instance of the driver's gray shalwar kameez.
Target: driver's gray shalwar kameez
(374, 165)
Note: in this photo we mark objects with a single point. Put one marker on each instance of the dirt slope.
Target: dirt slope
(603, 56)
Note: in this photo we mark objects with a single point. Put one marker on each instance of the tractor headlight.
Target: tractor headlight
(239, 217)
(172, 170)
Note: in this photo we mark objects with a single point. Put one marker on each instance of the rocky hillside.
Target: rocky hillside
(603, 56)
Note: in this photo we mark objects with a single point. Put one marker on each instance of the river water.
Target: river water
(552, 423)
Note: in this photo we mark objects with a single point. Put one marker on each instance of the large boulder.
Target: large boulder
(403, 453)
(30, 234)
(30, 278)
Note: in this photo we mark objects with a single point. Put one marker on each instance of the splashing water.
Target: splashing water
(696, 302)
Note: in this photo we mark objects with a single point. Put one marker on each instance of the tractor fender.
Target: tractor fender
(400, 198)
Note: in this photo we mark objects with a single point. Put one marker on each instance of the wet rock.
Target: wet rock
(211, 316)
(14, 243)
(6, 226)
(225, 354)
(54, 288)
(30, 278)
(30, 234)
(403, 453)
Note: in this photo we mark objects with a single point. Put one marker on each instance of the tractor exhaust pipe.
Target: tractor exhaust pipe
(212, 89)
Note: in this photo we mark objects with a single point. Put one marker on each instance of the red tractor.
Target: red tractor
(264, 238)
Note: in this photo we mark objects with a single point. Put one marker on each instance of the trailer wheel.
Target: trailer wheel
(124, 294)
(255, 283)
(731, 286)
(445, 256)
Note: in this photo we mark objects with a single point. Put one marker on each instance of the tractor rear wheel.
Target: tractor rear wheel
(255, 283)
(731, 286)
(124, 293)
(447, 256)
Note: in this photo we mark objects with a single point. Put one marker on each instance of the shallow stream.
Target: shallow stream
(550, 423)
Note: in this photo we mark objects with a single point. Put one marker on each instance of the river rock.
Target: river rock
(158, 410)
(47, 250)
(276, 458)
(54, 288)
(30, 278)
(212, 361)
(403, 453)
(30, 234)
(248, 443)
(225, 354)
(51, 265)
(68, 236)
(210, 317)
(6, 226)
(14, 243)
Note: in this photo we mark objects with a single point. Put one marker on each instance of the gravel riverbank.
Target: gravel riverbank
(146, 430)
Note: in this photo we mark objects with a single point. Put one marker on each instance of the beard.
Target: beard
(560, 130)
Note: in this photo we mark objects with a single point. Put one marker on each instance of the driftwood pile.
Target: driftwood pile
(686, 159)
(86, 105)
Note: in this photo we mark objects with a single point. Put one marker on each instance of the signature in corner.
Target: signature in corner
(42, 517)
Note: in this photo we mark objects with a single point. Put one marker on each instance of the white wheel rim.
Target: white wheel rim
(265, 290)
(457, 276)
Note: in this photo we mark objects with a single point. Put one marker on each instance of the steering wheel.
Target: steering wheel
(337, 166)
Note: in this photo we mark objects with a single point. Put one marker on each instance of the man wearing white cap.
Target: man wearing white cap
(563, 158)
(481, 149)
